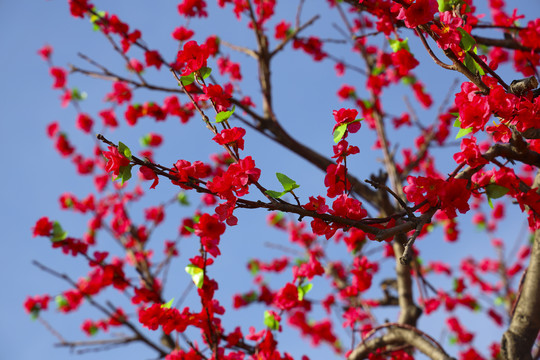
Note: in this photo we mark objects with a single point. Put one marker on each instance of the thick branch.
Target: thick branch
(400, 336)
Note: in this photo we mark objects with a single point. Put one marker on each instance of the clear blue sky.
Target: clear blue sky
(34, 175)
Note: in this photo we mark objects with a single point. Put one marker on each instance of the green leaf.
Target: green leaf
(61, 301)
(270, 321)
(490, 203)
(190, 229)
(303, 290)
(58, 234)
(397, 45)
(462, 132)
(77, 95)
(467, 41)
(205, 72)
(123, 149)
(443, 6)
(93, 330)
(197, 275)
(472, 65)
(182, 198)
(186, 80)
(339, 132)
(94, 18)
(498, 301)
(495, 191)
(453, 340)
(378, 70)
(168, 305)
(145, 140)
(224, 115)
(34, 314)
(275, 194)
(124, 173)
(254, 267)
(367, 104)
(277, 218)
(288, 183)
(408, 80)
(250, 297)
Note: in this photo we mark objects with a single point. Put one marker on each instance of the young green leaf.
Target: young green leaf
(270, 321)
(61, 301)
(303, 290)
(58, 234)
(182, 198)
(197, 275)
(186, 80)
(495, 191)
(462, 132)
(288, 183)
(397, 45)
(339, 132)
(145, 140)
(224, 115)
(275, 194)
(125, 173)
(123, 149)
(168, 305)
(467, 41)
(205, 72)
(253, 267)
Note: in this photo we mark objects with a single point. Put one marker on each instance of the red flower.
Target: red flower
(155, 214)
(130, 39)
(470, 153)
(287, 297)
(182, 34)
(193, 57)
(52, 129)
(209, 226)
(346, 116)
(85, 122)
(45, 52)
(64, 146)
(227, 66)
(109, 118)
(346, 92)
(79, 7)
(212, 45)
(149, 174)
(135, 65)
(115, 160)
(342, 150)
(230, 137)
(120, 94)
(425, 99)
(33, 305)
(418, 13)
(59, 75)
(312, 46)
(404, 61)
(317, 204)
(43, 227)
(192, 8)
(335, 180)
(153, 58)
(282, 30)
(217, 95)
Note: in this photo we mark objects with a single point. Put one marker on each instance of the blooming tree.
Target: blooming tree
(341, 240)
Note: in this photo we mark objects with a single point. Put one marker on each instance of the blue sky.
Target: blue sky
(35, 175)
